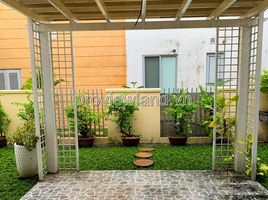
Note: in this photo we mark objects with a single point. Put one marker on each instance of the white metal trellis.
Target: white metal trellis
(65, 96)
(254, 70)
(228, 41)
(38, 98)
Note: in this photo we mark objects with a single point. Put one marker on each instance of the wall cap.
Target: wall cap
(134, 90)
(15, 91)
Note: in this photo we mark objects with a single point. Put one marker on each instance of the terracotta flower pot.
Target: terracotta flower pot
(177, 140)
(3, 141)
(131, 141)
(86, 141)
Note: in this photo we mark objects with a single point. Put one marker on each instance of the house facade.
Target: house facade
(100, 56)
(176, 58)
(172, 58)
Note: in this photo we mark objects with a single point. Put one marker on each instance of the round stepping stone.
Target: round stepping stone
(146, 149)
(143, 163)
(143, 155)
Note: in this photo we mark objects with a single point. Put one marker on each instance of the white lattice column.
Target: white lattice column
(256, 40)
(49, 111)
(242, 106)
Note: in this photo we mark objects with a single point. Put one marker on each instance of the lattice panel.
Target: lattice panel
(62, 60)
(252, 92)
(40, 97)
(228, 40)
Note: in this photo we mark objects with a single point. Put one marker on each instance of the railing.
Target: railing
(167, 121)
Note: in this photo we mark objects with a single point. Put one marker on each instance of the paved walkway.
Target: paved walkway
(148, 185)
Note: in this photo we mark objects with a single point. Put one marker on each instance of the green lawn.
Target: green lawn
(10, 186)
(166, 157)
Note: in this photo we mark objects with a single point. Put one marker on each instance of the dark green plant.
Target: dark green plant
(206, 102)
(4, 121)
(26, 110)
(224, 123)
(264, 82)
(25, 134)
(182, 109)
(86, 117)
(123, 113)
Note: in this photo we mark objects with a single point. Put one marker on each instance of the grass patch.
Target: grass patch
(166, 157)
(263, 155)
(10, 186)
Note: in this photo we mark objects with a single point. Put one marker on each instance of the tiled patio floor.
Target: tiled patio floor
(149, 185)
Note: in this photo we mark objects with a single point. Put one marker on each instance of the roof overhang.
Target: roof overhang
(137, 14)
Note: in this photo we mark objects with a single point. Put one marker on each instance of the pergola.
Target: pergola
(238, 26)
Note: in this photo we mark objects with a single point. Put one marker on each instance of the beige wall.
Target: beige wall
(8, 98)
(100, 56)
(147, 118)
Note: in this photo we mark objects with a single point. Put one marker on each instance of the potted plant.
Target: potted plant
(24, 141)
(224, 123)
(123, 112)
(86, 118)
(182, 109)
(206, 102)
(4, 122)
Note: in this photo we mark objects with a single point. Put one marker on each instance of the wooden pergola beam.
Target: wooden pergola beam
(103, 10)
(184, 6)
(143, 10)
(254, 11)
(221, 8)
(23, 10)
(63, 9)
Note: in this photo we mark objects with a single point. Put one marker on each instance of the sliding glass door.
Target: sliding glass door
(160, 72)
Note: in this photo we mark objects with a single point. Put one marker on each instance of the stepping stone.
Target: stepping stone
(143, 163)
(143, 155)
(146, 149)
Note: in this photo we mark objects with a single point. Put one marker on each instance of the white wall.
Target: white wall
(191, 45)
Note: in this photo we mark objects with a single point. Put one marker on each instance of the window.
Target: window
(160, 72)
(10, 79)
(211, 66)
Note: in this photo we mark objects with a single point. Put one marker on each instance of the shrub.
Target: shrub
(182, 109)
(4, 121)
(123, 112)
(264, 82)
(25, 134)
(86, 117)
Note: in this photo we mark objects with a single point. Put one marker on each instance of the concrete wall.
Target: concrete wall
(146, 120)
(100, 56)
(7, 99)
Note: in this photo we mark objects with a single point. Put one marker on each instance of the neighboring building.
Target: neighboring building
(154, 58)
(100, 56)
(176, 58)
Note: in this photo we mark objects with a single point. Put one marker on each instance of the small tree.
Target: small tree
(182, 109)
(25, 135)
(86, 117)
(123, 113)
